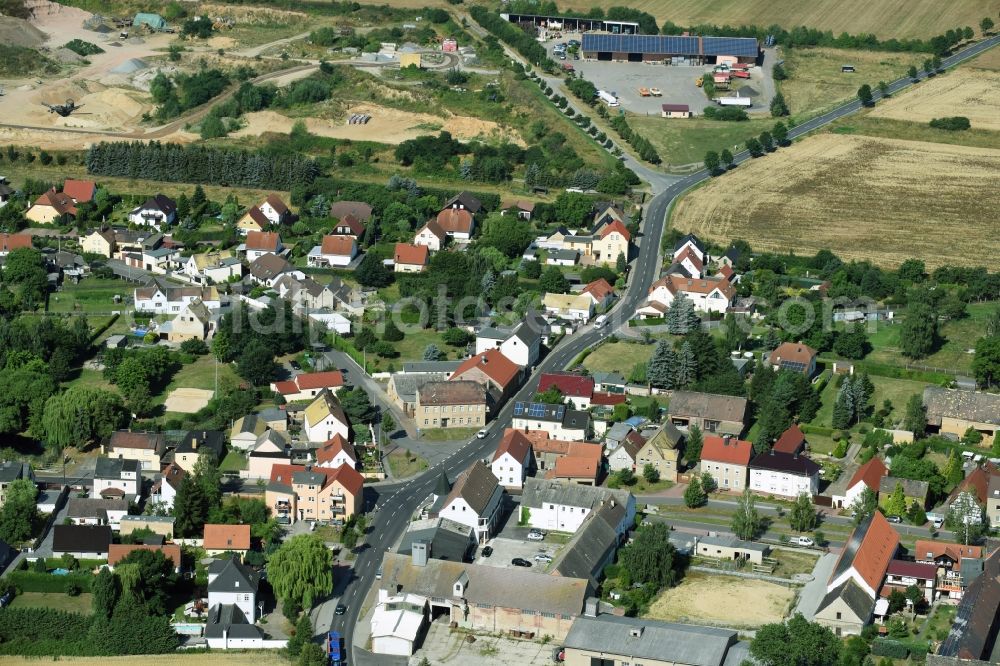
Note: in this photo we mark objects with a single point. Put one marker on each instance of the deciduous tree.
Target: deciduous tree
(864, 505)
(802, 517)
(301, 570)
(19, 514)
(797, 642)
(746, 520)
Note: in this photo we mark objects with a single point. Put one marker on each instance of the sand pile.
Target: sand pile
(131, 65)
(18, 32)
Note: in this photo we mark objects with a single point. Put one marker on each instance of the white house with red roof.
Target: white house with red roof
(431, 236)
(457, 223)
(259, 243)
(334, 251)
(577, 389)
(601, 292)
(689, 259)
(512, 459)
(493, 370)
(610, 241)
(308, 385)
(410, 258)
(694, 243)
(868, 475)
(335, 452)
(349, 225)
(274, 209)
(726, 460)
(709, 294)
(10, 242)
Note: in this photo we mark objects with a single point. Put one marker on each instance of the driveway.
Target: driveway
(812, 594)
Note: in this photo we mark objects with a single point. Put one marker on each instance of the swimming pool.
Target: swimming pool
(60, 572)
(187, 629)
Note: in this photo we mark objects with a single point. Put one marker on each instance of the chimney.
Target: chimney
(725, 440)
(590, 607)
(635, 632)
(419, 552)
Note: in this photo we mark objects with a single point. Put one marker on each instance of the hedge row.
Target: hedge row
(31, 581)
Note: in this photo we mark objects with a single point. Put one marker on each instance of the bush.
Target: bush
(884, 647)
(730, 113)
(951, 123)
(31, 581)
(841, 449)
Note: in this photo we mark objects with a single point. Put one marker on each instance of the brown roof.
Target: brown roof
(455, 220)
(345, 475)
(319, 380)
(332, 448)
(869, 550)
(60, 201)
(926, 550)
(493, 364)
(358, 209)
(10, 242)
(80, 190)
(515, 443)
(582, 460)
(277, 204)
(599, 289)
(708, 405)
(451, 393)
(526, 206)
(793, 352)
(352, 223)
(687, 252)
(967, 405)
(475, 485)
(871, 473)
(257, 215)
(263, 240)
(227, 537)
(268, 266)
(148, 441)
(338, 245)
(435, 228)
(675, 107)
(977, 482)
(415, 255)
(726, 450)
(706, 285)
(173, 475)
(117, 551)
(791, 441)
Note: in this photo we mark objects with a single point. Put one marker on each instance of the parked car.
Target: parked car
(536, 535)
(487, 551)
(295, 365)
(520, 562)
(894, 519)
(482, 433)
(543, 557)
(340, 609)
(802, 541)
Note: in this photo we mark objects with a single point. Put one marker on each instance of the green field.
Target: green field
(898, 391)
(91, 295)
(618, 357)
(233, 462)
(680, 142)
(54, 600)
(909, 131)
(447, 434)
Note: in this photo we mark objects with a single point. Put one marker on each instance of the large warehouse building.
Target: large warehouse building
(573, 23)
(673, 50)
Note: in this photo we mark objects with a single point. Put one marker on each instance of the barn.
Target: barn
(679, 50)
(573, 23)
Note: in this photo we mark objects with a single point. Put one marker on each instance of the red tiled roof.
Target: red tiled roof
(576, 467)
(878, 545)
(977, 482)
(794, 352)
(263, 240)
(707, 285)
(81, 191)
(515, 443)
(332, 448)
(932, 550)
(791, 441)
(871, 473)
(455, 220)
(173, 475)
(117, 551)
(347, 476)
(493, 364)
(615, 226)
(61, 201)
(415, 255)
(735, 452)
(607, 399)
(319, 380)
(727, 271)
(286, 387)
(689, 254)
(599, 289)
(10, 242)
(569, 384)
(227, 537)
(338, 245)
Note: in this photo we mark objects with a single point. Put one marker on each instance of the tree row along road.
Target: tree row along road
(395, 508)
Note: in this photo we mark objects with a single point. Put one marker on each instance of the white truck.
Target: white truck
(607, 98)
(744, 102)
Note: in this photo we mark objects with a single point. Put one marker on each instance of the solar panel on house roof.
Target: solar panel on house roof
(537, 410)
(518, 408)
(671, 44)
(794, 366)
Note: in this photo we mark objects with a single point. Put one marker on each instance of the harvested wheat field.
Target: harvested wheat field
(988, 60)
(387, 125)
(974, 94)
(228, 658)
(863, 198)
(722, 600)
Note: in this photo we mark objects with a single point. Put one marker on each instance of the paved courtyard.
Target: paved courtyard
(504, 550)
(444, 646)
(812, 594)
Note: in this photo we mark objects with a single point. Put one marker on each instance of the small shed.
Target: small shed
(154, 22)
(675, 111)
(116, 342)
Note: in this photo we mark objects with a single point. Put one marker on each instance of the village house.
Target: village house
(409, 258)
(97, 510)
(336, 452)
(512, 460)
(267, 269)
(84, 542)
(194, 322)
(974, 632)
(333, 252)
(624, 453)
(901, 574)
(259, 243)
(99, 241)
(52, 207)
(308, 385)
(610, 241)
(456, 223)
(452, 404)
(463, 201)
(359, 210)
(349, 225)
(493, 370)
(245, 431)
(306, 294)
(221, 539)
(10, 242)
(675, 111)
(868, 475)
(712, 413)
(324, 418)
(315, 493)
(731, 548)
(475, 500)
(602, 293)
(11, 471)
(213, 267)
(953, 411)
(662, 451)
(197, 443)
(564, 506)
(853, 587)
(562, 257)
(794, 357)
(146, 447)
(232, 607)
(431, 236)
(786, 475)
(558, 421)
(575, 388)
(517, 207)
(157, 298)
(522, 344)
(270, 211)
(444, 539)
(158, 212)
(402, 388)
(726, 459)
(687, 263)
(118, 551)
(581, 464)
(573, 307)
(592, 547)
(693, 242)
(708, 294)
(792, 441)
(950, 559)
(165, 488)
(271, 448)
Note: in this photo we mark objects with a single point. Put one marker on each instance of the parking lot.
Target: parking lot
(676, 82)
(513, 542)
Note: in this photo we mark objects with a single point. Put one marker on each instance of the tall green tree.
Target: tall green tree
(662, 366)
(82, 415)
(778, 106)
(106, 590)
(553, 281)
(986, 362)
(864, 505)
(303, 635)
(649, 559)
(865, 95)
(19, 514)
(803, 517)
(190, 508)
(797, 642)
(918, 333)
(692, 449)
(256, 363)
(712, 162)
(746, 520)
(209, 477)
(301, 570)
(694, 494)
(895, 505)
(915, 418)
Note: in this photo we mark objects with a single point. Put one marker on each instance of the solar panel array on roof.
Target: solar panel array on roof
(519, 408)
(735, 46)
(794, 366)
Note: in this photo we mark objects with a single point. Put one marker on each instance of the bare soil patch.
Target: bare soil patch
(723, 600)
(187, 400)
(884, 200)
(970, 93)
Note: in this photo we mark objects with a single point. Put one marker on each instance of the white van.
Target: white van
(599, 322)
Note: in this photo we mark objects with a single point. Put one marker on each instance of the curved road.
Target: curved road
(397, 501)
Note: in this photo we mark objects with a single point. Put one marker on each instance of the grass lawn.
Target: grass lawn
(233, 462)
(821, 443)
(618, 357)
(447, 434)
(644, 487)
(937, 625)
(404, 464)
(898, 391)
(54, 600)
(793, 562)
(912, 131)
(94, 378)
(682, 142)
(91, 295)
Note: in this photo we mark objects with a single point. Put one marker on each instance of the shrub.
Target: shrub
(884, 647)
(730, 113)
(951, 123)
(31, 581)
(841, 449)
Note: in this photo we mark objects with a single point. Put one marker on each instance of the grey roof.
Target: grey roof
(974, 631)
(851, 594)
(112, 468)
(708, 405)
(230, 619)
(406, 386)
(618, 432)
(308, 478)
(273, 414)
(12, 470)
(81, 538)
(513, 588)
(576, 419)
(200, 440)
(551, 491)
(678, 268)
(593, 545)
(431, 366)
(448, 539)
(149, 519)
(610, 378)
(492, 333)
(732, 542)
(788, 463)
(531, 329)
(563, 255)
(94, 507)
(231, 576)
(661, 641)
(911, 488)
(478, 487)
(739, 654)
(967, 405)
